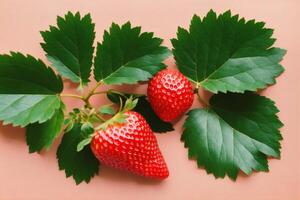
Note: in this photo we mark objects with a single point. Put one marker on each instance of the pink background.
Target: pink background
(36, 177)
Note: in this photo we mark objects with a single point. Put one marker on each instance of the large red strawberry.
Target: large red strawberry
(130, 146)
(170, 94)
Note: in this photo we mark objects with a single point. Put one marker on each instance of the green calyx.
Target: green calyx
(88, 117)
(120, 116)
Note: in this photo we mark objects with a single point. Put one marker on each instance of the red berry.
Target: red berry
(170, 94)
(130, 146)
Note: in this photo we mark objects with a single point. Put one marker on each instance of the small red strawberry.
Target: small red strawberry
(170, 94)
(130, 146)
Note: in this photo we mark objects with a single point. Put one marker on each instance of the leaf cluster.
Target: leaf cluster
(31, 92)
(232, 58)
(223, 54)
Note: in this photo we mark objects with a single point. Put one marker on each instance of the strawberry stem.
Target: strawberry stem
(88, 96)
(121, 104)
(72, 96)
(100, 117)
(88, 111)
(91, 93)
(100, 92)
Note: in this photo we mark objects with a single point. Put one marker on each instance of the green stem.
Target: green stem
(72, 96)
(88, 105)
(93, 90)
(100, 117)
(86, 98)
(121, 104)
(117, 92)
(100, 92)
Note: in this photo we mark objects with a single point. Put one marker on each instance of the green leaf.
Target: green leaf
(83, 143)
(87, 129)
(39, 136)
(144, 108)
(67, 121)
(21, 110)
(76, 110)
(237, 132)
(130, 103)
(127, 56)
(69, 46)
(83, 165)
(69, 126)
(106, 109)
(28, 90)
(226, 53)
(20, 74)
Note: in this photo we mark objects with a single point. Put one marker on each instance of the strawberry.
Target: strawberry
(130, 146)
(170, 94)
